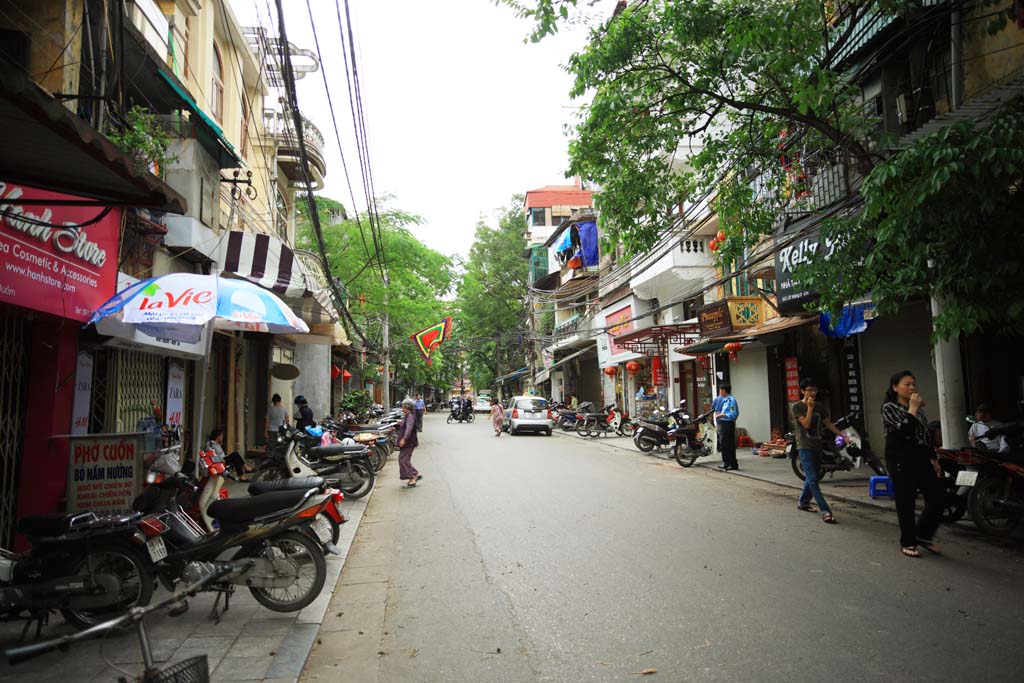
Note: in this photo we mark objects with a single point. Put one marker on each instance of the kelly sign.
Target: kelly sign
(105, 472)
(792, 296)
(49, 261)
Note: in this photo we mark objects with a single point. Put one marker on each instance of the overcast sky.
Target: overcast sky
(460, 113)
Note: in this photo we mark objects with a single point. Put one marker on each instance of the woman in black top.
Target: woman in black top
(912, 464)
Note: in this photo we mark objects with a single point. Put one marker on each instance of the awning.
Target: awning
(770, 326)
(48, 147)
(209, 134)
(701, 347)
(543, 375)
(271, 264)
(512, 375)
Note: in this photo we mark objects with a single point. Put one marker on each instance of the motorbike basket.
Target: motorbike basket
(192, 670)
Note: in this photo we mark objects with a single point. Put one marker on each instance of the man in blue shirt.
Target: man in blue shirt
(716, 407)
(420, 407)
(726, 415)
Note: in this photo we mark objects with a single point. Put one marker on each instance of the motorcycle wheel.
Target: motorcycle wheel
(385, 453)
(378, 457)
(305, 558)
(269, 473)
(583, 428)
(985, 515)
(566, 426)
(355, 480)
(449, 420)
(684, 456)
(625, 429)
(645, 444)
(136, 584)
(471, 417)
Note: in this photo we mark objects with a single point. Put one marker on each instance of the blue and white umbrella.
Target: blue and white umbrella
(180, 306)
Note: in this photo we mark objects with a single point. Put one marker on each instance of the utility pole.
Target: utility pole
(386, 384)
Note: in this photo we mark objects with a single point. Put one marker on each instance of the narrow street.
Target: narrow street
(553, 559)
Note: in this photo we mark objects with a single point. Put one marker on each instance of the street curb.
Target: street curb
(293, 653)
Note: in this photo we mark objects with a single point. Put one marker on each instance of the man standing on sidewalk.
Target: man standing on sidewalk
(809, 417)
(420, 407)
(726, 417)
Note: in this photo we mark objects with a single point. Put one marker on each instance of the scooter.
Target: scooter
(347, 467)
(843, 455)
(994, 482)
(461, 412)
(612, 421)
(652, 432)
(88, 567)
(691, 441)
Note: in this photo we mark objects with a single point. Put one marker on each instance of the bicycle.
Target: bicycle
(192, 670)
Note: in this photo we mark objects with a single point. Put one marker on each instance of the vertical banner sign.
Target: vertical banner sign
(104, 472)
(659, 371)
(851, 370)
(83, 394)
(792, 379)
(175, 392)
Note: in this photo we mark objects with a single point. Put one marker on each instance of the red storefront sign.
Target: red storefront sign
(792, 379)
(49, 263)
(619, 322)
(659, 371)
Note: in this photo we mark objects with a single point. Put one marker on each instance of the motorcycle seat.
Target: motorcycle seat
(247, 509)
(335, 450)
(57, 523)
(292, 484)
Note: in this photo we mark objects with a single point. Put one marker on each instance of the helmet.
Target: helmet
(300, 399)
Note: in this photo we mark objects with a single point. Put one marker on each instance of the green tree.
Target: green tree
(419, 279)
(491, 296)
(732, 86)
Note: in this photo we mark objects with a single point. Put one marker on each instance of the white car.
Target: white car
(528, 414)
(482, 404)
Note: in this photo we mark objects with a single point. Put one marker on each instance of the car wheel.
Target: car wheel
(547, 433)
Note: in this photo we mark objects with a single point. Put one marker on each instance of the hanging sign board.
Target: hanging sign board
(792, 379)
(715, 320)
(792, 296)
(104, 471)
(175, 392)
(83, 394)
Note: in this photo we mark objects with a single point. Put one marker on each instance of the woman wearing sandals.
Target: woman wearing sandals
(810, 417)
(407, 443)
(912, 464)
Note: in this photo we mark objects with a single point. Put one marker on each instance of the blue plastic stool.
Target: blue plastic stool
(880, 487)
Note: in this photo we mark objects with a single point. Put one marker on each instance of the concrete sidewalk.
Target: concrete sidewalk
(250, 643)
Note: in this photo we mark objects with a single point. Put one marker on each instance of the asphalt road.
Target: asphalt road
(537, 558)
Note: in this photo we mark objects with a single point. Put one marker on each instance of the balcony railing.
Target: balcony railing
(816, 181)
(280, 126)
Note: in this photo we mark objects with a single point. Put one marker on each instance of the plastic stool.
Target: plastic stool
(880, 487)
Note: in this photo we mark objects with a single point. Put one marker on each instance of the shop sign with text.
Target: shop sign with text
(50, 261)
(620, 322)
(104, 472)
(714, 319)
(792, 297)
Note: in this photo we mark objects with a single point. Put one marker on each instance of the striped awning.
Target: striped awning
(271, 264)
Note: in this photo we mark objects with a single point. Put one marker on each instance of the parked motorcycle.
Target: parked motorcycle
(994, 482)
(839, 458)
(659, 432)
(89, 567)
(691, 441)
(611, 421)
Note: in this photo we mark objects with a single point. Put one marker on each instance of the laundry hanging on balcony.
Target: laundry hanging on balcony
(429, 338)
(577, 247)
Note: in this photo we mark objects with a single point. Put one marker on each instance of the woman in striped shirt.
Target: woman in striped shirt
(912, 463)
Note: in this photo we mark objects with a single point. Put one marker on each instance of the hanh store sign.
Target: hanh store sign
(49, 260)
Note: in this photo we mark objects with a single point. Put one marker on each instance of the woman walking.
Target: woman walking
(912, 464)
(407, 443)
(497, 414)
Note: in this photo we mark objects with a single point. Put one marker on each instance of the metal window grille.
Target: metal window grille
(140, 379)
(12, 414)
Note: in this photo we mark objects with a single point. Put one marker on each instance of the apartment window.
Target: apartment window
(245, 128)
(536, 216)
(556, 220)
(217, 93)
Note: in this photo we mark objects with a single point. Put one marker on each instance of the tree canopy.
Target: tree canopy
(491, 295)
(720, 99)
(419, 279)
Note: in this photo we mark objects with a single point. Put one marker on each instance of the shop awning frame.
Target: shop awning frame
(712, 346)
(48, 147)
(656, 339)
(512, 375)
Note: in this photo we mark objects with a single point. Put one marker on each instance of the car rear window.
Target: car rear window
(532, 405)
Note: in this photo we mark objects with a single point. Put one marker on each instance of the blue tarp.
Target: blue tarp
(851, 321)
(588, 243)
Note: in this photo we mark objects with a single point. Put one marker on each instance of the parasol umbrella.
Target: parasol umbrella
(180, 306)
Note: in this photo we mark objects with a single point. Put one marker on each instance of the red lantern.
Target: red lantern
(713, 245)
(335, 371)
(610, 371)
(632, 366)
(733, 347)
(720, 236)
